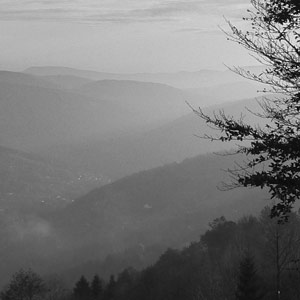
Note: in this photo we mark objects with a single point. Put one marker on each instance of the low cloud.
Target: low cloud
(29, 227)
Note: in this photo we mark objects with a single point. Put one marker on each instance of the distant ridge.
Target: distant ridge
(171, 142)
(97, 126)
(24, 79)
(39, 112)
(50, 71)
(59, 70)
(182, 79)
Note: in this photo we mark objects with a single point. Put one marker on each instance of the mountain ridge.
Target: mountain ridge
(182, 79)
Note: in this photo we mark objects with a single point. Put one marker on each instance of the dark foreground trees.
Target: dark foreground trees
(82, 290)
(233, 261)
(273, 150)
(28, 285)
(249, 285)
(251, 258)
(24, 285)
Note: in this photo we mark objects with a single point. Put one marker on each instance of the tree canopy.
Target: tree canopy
(24, 285)
(272, 150)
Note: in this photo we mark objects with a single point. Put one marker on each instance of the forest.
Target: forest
(251, 258)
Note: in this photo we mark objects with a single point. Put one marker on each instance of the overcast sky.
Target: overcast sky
(120, 35)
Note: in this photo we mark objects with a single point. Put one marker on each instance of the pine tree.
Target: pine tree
(97, 288)
(109, 292)
(82, 290)
(248, 286)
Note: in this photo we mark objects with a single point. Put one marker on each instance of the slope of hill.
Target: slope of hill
(153, 101)
(30, 188)
(66, 81)
(164, 207)
(33, 116)
(102, 126)
(30, 184)
(174, 141)
(157, 196)
(24, 79)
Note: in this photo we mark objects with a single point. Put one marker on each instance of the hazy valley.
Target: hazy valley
(104, 171)
(150, 150)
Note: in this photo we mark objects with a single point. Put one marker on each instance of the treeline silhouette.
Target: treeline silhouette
(251, 258)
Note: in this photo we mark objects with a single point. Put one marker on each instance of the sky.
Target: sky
(121, 36)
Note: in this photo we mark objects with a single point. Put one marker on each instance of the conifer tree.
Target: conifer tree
(248, 286)
(82, 290)
(97, 288)
(109, 293)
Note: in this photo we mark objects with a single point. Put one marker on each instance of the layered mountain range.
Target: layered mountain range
(96, 164)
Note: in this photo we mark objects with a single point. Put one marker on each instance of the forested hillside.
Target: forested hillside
(132, 220)
(32, 184)
(251, 257)
(247, 257)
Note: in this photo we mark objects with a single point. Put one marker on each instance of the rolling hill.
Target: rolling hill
(155, 102)
(34, 115)
(114, 128)
(172, 142)
(140, 215)
(162, 128)
(181, 80)
(68, 82)
(31, 184)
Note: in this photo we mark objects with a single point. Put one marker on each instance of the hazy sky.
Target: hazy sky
(120, 35)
